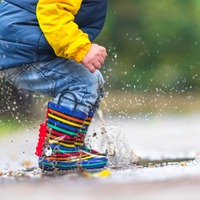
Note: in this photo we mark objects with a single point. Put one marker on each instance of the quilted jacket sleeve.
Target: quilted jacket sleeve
(56, 19)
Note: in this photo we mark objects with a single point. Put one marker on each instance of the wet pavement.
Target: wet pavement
(169, 166)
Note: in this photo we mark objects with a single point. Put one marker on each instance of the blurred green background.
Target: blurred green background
(154, 44)
(153, 63)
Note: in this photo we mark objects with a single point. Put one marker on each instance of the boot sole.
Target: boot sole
(64, 165)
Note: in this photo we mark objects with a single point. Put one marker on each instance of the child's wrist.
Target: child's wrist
(82, 53)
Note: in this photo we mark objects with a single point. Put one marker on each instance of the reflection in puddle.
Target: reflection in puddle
(134, 172)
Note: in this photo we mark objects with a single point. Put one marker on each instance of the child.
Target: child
(46, 46)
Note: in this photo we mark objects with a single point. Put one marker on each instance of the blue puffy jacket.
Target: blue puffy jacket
(21, 39)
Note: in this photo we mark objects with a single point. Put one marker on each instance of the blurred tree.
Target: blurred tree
(15, 102)
(154, 44)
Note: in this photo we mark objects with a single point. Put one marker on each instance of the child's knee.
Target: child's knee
(100, 88)
(100, 79)
(96, 84)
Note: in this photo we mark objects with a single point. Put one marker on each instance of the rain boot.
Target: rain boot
(56, 145)
(80, 140)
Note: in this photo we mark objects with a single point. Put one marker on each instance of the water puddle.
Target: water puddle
(142, 171)
(119, 144)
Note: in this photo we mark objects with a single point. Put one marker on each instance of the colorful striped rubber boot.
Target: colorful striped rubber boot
(80, 140)
(56, 145)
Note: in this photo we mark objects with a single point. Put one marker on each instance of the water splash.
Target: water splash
(111, 140)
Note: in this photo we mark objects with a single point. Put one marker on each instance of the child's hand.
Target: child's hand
(95, 58)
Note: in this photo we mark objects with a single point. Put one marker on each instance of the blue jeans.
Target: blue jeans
(55, 77)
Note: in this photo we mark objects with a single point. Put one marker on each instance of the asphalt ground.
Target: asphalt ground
(169, 168)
